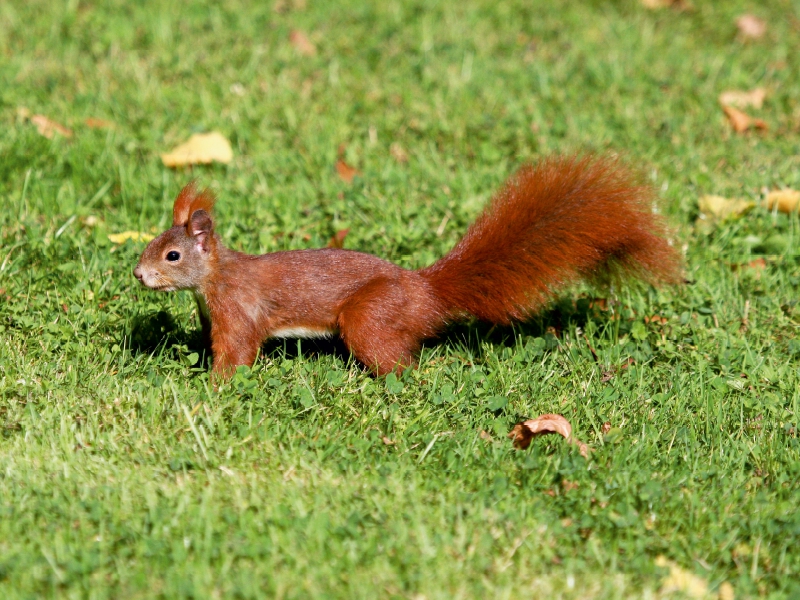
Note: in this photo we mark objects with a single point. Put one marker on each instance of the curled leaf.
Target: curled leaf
(739, 99)
(785, 201)
(136, 236)
(741, 121)
(48, 128)
(201, 148)
(337, 241)
(345, 171)
(523, 433)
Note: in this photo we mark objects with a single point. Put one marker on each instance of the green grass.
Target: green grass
(123, 474)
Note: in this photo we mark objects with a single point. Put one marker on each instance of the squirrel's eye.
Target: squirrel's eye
(172, 255)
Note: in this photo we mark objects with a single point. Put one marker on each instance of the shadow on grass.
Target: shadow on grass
(159, 332)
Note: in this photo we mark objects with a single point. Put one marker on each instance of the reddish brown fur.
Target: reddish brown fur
(553, 223)
(550, 225)
(190, 200)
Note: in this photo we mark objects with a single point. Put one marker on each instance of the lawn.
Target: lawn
(124, 474)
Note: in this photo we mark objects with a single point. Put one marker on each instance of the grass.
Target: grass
(122, 474)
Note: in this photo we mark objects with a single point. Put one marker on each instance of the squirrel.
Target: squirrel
(552, 224)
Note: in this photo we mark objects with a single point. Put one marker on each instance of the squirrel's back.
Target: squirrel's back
(553, 223)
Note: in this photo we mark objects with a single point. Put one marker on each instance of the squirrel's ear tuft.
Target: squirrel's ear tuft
(200, 227)
(189, 200)
(180, 210)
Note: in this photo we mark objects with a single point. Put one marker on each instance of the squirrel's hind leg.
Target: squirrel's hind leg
(375, 327)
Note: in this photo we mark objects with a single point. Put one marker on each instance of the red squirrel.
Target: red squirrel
(553, 223)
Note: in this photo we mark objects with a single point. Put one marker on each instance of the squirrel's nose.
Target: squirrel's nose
(137, 272)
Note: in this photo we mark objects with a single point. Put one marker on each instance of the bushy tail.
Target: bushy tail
(553, 223)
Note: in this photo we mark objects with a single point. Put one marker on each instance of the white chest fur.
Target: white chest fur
(301, 332)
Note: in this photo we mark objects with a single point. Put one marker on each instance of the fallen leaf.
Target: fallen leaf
(681, 581)
(49, 128)
(719, 208)
(136, 236)
(754, 267)
(398, 153)
(201, 148)
(606, 427)
(741, 121)
(523, 433)
(485, 436)
(726, 591)
(656, 319)
(786, 201)
(345, 171)
(739, 99)
(751, 27)
(387, 442)
(301, 43)
(568, 486)
(337, 241)
(94, 123)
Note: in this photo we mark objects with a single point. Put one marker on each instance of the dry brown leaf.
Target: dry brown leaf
(48, 128)
(398, 153)
(741, 121)
(387, 442)
(681, 581)
(301, 43)
(485, 436)
(739, 99)
(719, 208)
(337, 241)
(136, 236)
(786, 201)
(202, 149)
(94, 123)
(751, 27)
(568, 485)
(345, 171)
(754, 267)
(523, 433)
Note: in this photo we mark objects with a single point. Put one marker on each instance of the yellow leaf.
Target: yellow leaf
(786, 201)
(201, 148)
(726, 591)
(48, 128)
(720, 208)
(136, 236)
(753, 98)
(681, 581)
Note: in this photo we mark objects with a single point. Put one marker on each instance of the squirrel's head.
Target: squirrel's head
(181, 257)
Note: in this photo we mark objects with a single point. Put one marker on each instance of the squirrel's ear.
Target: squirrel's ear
(200, 227)
(180, 210)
